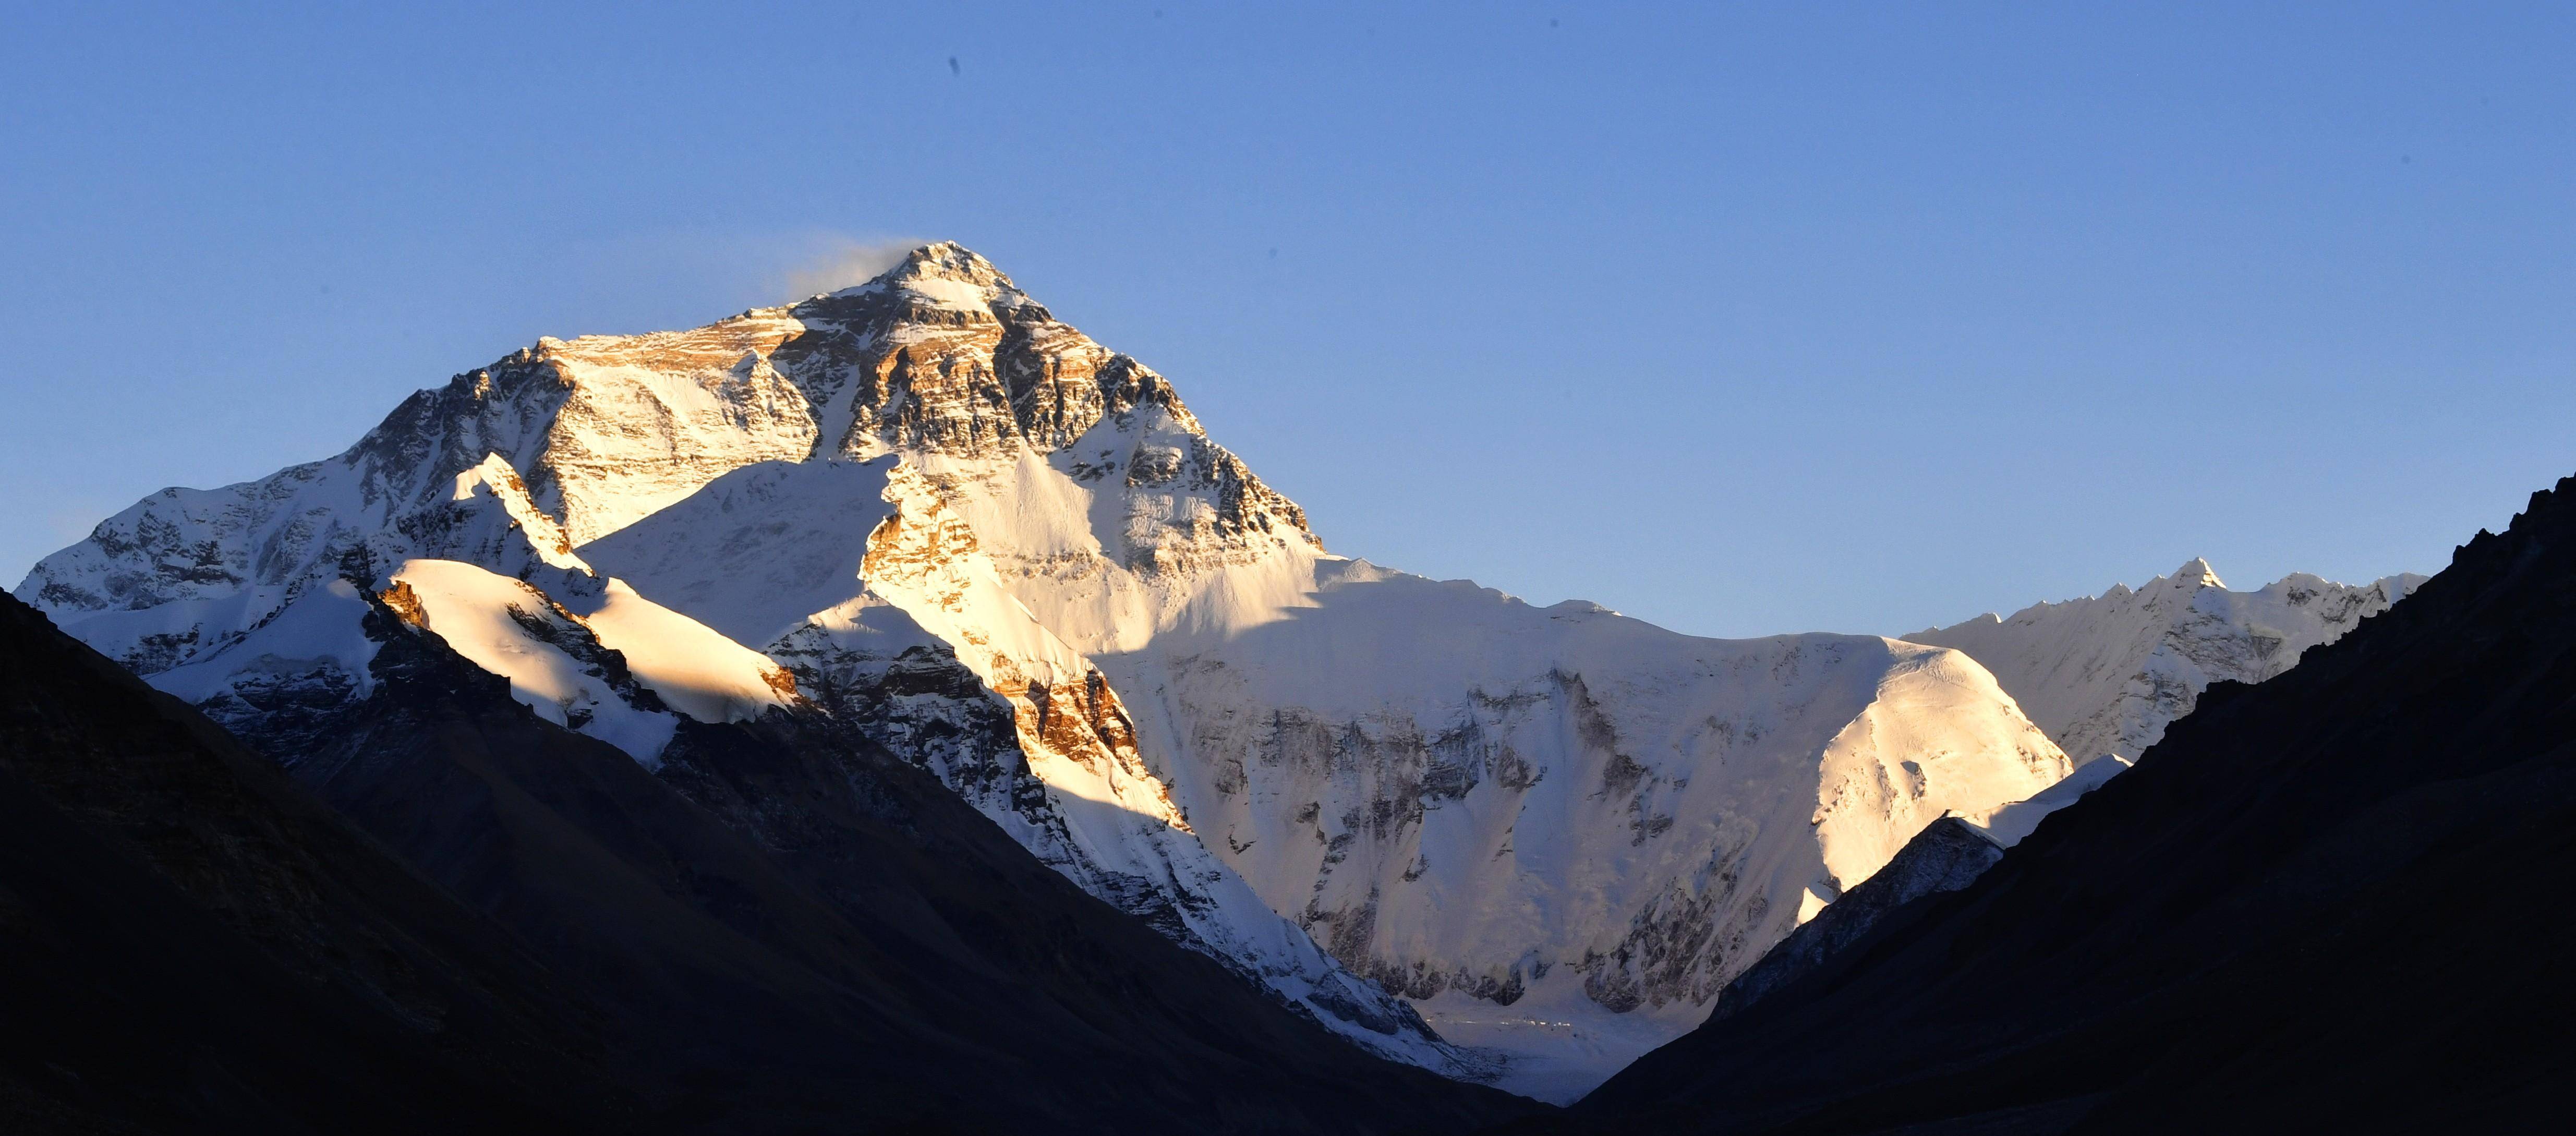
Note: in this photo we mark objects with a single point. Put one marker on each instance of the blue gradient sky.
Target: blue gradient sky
(1744, 320)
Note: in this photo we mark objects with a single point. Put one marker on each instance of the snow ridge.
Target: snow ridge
(2106, 674)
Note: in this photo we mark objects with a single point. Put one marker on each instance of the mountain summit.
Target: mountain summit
(959, 529)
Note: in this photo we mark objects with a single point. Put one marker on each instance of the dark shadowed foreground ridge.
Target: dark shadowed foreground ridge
(533, 931)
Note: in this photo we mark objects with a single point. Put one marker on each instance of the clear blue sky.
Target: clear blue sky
(1741, 319)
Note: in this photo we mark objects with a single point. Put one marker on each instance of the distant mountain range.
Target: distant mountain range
(2106, 674)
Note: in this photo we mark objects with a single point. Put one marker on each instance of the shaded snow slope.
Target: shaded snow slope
(314, 643)
(974, 535)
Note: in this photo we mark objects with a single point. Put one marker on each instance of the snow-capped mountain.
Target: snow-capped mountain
(960, 528)
(2106, 674)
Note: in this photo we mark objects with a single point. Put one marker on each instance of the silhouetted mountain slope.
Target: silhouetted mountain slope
(2333, 902)
(190, 943)
(795, 930)
(1946, 856)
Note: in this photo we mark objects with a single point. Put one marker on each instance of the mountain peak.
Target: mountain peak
(946, 276)
(2196, 573)
(946, 260)
(939, 261)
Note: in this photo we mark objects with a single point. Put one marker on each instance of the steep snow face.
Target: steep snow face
(967, 531)
(1456, 789)
(1469, 799)
(2105, 674)
(908, 636)
(1560, 830)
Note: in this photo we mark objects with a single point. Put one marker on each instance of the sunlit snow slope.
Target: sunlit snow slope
(963, 529)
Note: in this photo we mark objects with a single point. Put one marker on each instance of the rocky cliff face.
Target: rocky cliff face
(965, 531)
